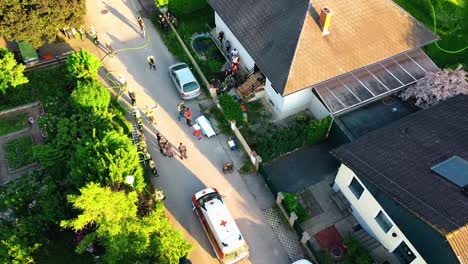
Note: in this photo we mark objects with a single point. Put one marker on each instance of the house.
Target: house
(407, 184)
(328, 56)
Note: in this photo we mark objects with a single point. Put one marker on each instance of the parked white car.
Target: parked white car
(184, 81)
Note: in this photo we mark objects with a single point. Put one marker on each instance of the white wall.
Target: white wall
(283, 106)
(246, 59)
(294, 103)
(367, 208)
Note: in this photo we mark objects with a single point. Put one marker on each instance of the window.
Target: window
(383, 221)
(356, 188)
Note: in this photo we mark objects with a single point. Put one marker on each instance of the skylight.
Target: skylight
(455, 169)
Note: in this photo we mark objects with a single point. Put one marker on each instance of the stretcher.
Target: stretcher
(205, 125)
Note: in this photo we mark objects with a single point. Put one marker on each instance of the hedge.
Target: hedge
(231, 109)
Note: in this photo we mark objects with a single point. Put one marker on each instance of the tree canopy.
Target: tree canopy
(11, 73)
(107, 161)
(437, 87)
(112, 218)
(83, 65)
(90, 95)
(38, 22)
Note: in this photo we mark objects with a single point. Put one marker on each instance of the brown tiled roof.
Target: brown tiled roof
(458, 240)
(286, 42)
(397, 160)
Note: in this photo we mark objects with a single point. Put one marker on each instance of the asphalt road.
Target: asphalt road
(115, 21)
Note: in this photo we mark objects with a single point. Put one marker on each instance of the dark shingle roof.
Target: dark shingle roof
(268, 30)
(397, 160)
(284, 39)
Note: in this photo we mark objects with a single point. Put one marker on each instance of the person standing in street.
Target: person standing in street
(151, 62)
(180, 110)
(221, 38)
(110, 49)
(142, 26)
(169, 151)
(182, 151)
(188, 116)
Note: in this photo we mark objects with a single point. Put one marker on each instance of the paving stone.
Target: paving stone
(287, 236)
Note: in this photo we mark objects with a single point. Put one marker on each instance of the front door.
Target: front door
(404, 253)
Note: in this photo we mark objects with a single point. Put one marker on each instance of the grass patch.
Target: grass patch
(12, 124)
(451, 17)
(44, 87)
(19, 152)
(247, 168)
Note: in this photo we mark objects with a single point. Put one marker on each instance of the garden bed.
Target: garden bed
(19, 152)
(12, 124)
(271, 140)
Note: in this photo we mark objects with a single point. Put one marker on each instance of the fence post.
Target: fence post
(305, 237)
(292, 218)
(279, 198)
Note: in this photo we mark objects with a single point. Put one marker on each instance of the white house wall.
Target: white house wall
(294, 103)
(366, 209)
(246, 59)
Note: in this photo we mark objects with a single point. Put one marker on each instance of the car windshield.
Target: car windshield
(234, 254)
(191, 86)
(179, 67)
(204, 199)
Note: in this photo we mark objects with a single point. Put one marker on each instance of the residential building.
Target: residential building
(329, 56)
(407, 183)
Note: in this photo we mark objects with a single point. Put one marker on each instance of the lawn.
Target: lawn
(19, 152)
(43, 86)
(12, 124)
(452, 28)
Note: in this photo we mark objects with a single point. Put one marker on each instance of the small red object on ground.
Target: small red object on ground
(48, 57)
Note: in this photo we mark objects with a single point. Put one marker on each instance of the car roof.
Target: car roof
(184, 75)
(223, 226)
(204, 192)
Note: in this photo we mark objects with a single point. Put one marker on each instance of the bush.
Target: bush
(231, 109)
(276, 141)
(83, 65)
(356, 252)
(224, 125)
(291, 205)
(183, 7)
(90, 95)
(318, 130)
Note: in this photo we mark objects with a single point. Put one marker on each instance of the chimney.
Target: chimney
(325, 19)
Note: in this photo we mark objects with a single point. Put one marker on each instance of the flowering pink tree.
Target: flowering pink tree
(438, 86)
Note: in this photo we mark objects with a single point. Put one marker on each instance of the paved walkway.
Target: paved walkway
(115, 21)
(287, 235)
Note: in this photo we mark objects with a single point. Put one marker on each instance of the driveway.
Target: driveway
(303, 168)
(115, 21)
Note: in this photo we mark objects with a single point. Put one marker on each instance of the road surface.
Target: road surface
(115, 21)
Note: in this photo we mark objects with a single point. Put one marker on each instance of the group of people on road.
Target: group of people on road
(167, 149)
(184, 112)
(165, 20)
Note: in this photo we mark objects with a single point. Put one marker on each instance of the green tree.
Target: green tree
(108, 161)
(83, 65)
(90, 95)
(11, 73)
(38, 22)
(125, 237)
